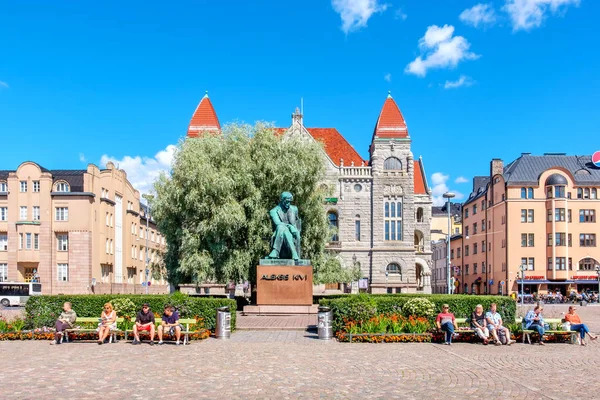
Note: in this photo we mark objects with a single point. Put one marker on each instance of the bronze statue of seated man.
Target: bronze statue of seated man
(285, 242)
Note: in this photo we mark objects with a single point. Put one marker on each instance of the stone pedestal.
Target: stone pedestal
(284, 285)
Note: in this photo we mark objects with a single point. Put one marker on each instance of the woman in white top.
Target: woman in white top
(108, 322)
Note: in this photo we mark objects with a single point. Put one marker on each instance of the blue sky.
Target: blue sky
(86, 81)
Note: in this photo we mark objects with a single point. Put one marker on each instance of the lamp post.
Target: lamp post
(598, 273)
(147, 197)
(448, 196)
(523, 268)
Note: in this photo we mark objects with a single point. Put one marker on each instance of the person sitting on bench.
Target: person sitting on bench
(144, 321)
(65, 321)
(170, 324)
(534, 321)
(578, 326)
(108, 322)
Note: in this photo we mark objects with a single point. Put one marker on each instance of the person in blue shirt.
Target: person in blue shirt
(535, 321)
(170, 324)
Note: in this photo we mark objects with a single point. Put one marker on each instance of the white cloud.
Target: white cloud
(388, 77)
(461, 179)
(356, 13)
(440, 49)
(439, 182)
(143, 171)
(462, 81)
(82, 157)
(400, 14)
(528, 14)
(480, 14)
(3, 84)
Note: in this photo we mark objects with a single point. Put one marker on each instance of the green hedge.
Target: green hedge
(43, 310)
(363, 306)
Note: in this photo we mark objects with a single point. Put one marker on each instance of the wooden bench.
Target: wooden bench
(527, 332)
(185, 331)
(90, 320)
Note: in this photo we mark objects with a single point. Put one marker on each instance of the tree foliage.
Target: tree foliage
(213, 207)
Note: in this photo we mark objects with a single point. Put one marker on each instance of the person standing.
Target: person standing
(534, 320)
(144, 321)
(578, 326)
(447, 323)
(66, 320)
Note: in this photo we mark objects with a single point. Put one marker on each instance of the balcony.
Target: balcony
(352, 171)
(29, 256)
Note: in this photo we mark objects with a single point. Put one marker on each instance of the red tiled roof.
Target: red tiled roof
(390, 123)
(419, 180)
(204, 118)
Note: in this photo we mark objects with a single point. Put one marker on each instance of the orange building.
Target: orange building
(539, 212)
(75, 231)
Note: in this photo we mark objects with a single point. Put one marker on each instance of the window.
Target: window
(419, 214)
(36, 213)
(483, 271)
(523, 240)
(587, 264)
(3, 272)
(111, 220)
(474, 248)
(466, 213)
(579, 193)
(3, 213)
(333, 223)
(62, 214)
(141, 232)
(587, 215)
(107, 219)
(570, 215)
(452, 254)
(529, 216)
(483, 245)
(523, 215)
(466, 231)
(529, 261)
(28, 241)
(111, 246)
(63, 272)
(392, 163)
(474, 268)
(23, 186)
(466, 250)
(106, 269)
(3, 242)
(458, 253)
(594, 193)
(530, 193)
(523, 193)
(20, 241)
(393, 268)
(483, 225)
(393, 219)
(63, 187)
(561, 263)
(357, 230)
(466, 269)
(36, 241)
(36, 186)
(559, 214)
(62, 242)
(475, 228)
(560, 239)
(474, 209)
(3, 187)
(23, 213)
(107, 246)
(559, 192)
(587, 240)
(130, 275)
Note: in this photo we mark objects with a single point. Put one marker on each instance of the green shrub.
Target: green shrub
(361, 307)
(124, 307)
(419, 307)
(44, 310)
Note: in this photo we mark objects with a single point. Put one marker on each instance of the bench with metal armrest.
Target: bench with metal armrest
(185, 331)
(557, 321)
(91, 320)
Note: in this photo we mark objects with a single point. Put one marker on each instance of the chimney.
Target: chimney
(297, 117)
(496, 167)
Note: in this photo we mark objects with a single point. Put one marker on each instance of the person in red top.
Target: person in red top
(577, 326)
(446, 322)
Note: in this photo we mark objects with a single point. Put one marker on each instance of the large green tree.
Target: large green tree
(213, 206)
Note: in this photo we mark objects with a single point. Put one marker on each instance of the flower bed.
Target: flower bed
(384, 337)
(40, 334)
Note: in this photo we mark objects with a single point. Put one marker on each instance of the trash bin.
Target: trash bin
(223, 327)
(324, 323)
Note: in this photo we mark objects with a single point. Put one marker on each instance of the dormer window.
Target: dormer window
(63, 187)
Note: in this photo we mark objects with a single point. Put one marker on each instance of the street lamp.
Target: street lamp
(598, 273)
(523, 268)
(147, 197)
(448, 195)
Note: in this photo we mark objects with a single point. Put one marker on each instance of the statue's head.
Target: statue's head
(286, 200)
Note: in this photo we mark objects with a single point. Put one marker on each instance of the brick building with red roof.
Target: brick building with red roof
(380, 206)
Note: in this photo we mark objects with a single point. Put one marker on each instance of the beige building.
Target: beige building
(537, 211)
(75, 231)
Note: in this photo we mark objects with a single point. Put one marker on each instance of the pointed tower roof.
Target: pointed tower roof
(204, 118)
(390, 123)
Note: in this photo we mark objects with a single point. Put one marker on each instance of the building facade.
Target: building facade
(439, 244)
(76, 231)
(381, 207)
(539, 212)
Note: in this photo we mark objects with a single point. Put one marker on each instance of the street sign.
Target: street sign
(596, 159)
(147, 271)
(502, 283)
(491, 281)
(144, 284)
(149, 283)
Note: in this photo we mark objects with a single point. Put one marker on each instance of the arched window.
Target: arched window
(586, 193)
(333, 223)
(530, 193)
(419, 214)
(392, 163)
(523, 193)
(579, 193)
(62, 187)
(593, 194)
(393, 268)
(357, 228)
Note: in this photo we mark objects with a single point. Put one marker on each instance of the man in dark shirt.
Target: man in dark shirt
(144, 321)
(170, 324)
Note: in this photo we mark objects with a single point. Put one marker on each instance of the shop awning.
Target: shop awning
(586, 281)
(532, 282)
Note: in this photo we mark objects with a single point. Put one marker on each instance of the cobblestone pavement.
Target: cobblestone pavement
(292, 364)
